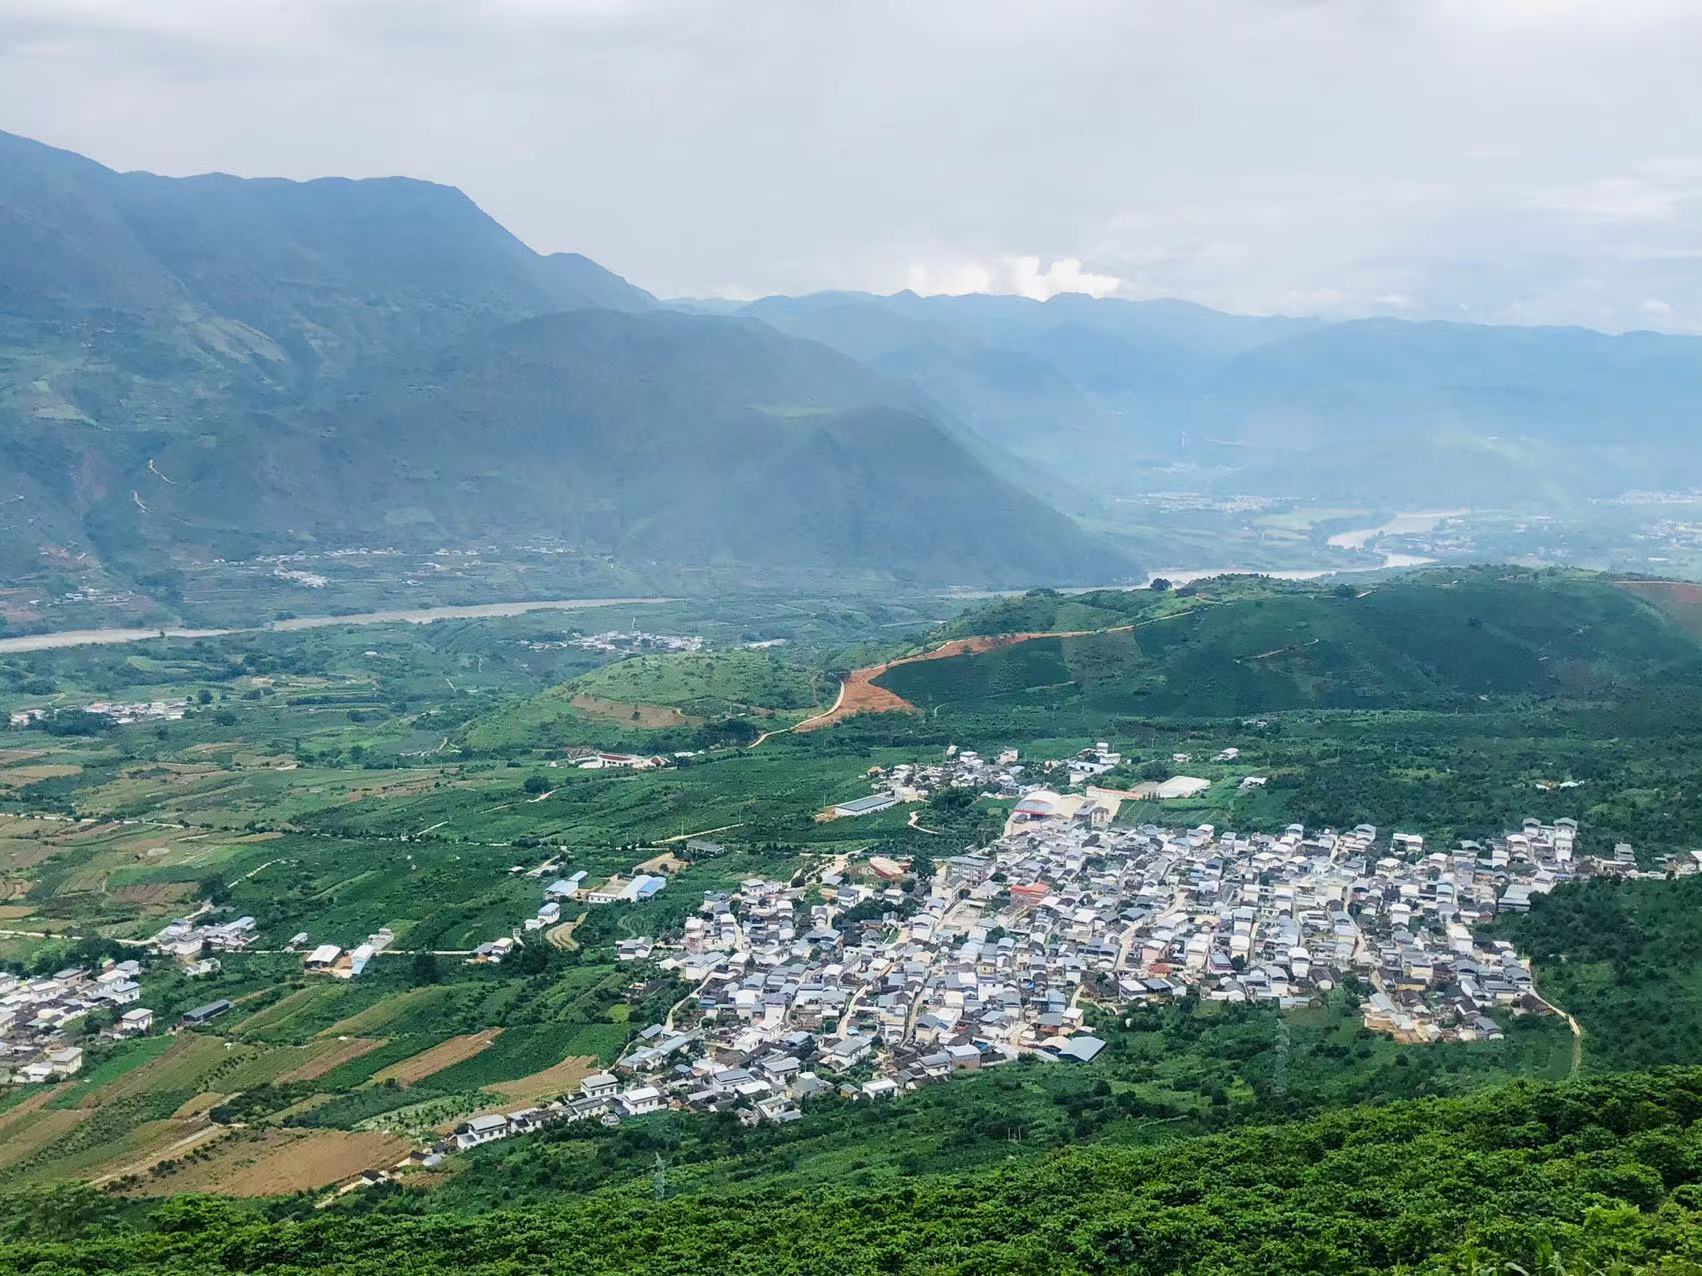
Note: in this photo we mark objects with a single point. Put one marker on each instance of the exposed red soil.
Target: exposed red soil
(861, 695)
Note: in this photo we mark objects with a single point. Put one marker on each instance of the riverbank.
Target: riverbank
(416, 616)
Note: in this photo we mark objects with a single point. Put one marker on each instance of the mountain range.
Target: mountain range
(1165, 394)
(217, 367)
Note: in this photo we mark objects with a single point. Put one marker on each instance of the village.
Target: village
(867, 981)
(118, 714)
(866, 976)
(36, 1011)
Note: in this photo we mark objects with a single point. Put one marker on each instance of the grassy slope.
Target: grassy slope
(1440, 637)
(755, 685)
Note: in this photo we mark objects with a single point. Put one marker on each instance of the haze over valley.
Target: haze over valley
(225, 399)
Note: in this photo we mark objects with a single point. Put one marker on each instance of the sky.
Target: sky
(1518, 161)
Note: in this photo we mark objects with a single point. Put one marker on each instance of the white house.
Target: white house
(843, 1054)
(133, 1023)
(599, 1085)
(481, 1129)
(646, 1098)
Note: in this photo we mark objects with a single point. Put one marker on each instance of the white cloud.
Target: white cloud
(1659, 193)
(1063, 275)
(1018, 275)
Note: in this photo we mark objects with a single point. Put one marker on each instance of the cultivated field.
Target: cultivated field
(447, 1055)
(274, 1162)
(541, 1087)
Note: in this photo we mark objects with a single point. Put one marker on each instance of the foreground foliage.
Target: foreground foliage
(1590, 1174)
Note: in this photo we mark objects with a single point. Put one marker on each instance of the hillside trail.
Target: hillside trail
(1572, 1023)
(831, 710)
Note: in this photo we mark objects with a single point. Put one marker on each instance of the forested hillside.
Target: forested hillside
(211, 368)
(1243, 645)
(1625, 957)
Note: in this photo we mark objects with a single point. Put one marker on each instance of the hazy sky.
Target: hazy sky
(1510, 160)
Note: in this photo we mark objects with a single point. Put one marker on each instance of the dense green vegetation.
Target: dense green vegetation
(1237, 645)
(335, 781)
(1170, 1072)
(1578, 1176)
(1626, 959)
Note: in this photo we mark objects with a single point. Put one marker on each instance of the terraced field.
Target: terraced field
(277, 1162)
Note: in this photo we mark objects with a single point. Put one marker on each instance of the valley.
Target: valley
(506, 771)
(491, 911)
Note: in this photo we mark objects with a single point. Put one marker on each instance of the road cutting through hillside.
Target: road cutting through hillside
(858, 692)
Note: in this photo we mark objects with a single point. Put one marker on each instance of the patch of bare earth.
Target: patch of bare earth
(666, 862)
(445, 1054)
(19, 777)
(277, 1162)
(862, 695)
(1679, 599)
(562, 936)
(562, 1078)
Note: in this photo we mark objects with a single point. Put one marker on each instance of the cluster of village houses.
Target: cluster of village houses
(1005, 776)
(1012, 943)
(35, 1013)
(632, 641)
(119, 713)
(866, 983)
(599, 760)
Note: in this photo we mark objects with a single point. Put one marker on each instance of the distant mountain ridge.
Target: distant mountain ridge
(220, 367)
(223, 367)
(1116, 396)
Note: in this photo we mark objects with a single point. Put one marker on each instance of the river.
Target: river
(1407, 524)
(414, 616)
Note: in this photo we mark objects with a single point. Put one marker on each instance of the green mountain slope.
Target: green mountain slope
(214, 367)
(1625, 957)
(1240, 645)
(647, 436)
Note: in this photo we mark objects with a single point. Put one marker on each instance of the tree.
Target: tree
(535, 784)
(424, 969)
(1159, 584)
(64, 1212)
(212, 888)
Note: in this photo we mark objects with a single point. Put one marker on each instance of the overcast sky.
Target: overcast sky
(1530, 161)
